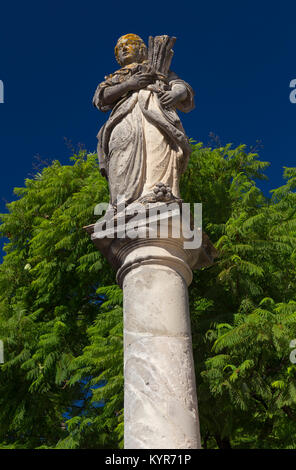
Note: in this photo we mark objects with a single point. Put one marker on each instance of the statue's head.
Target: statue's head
(130, 48)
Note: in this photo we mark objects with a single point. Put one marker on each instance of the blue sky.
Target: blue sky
(238, 56)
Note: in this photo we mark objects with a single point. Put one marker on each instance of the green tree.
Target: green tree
(48, 283)
(61, 312)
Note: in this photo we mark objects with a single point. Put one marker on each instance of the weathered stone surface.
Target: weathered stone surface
(160, 400)
(160, 393)
(143, 142)
(142, 151)
(119, 251)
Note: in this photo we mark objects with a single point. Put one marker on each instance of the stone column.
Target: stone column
(160, 403)
(160, 394)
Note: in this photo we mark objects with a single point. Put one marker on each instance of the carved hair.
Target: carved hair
(136, 42)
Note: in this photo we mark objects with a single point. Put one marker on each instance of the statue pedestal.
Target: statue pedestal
(160, 404)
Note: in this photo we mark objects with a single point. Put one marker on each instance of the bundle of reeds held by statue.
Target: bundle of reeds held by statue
(160, 54)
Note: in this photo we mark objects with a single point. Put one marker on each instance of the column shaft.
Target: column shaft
(160, 404)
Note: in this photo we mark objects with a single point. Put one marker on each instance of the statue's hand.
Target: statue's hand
(140, 80)
(169, 98)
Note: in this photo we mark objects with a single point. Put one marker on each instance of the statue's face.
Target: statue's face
(129, 51)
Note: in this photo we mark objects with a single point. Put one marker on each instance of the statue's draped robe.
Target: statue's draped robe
(142, 143)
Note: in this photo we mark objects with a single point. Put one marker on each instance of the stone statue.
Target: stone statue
(143, 150)
(142, 147)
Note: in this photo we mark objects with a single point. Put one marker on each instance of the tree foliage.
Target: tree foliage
(61, 385)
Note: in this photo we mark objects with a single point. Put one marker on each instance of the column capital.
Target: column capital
(150, 247)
